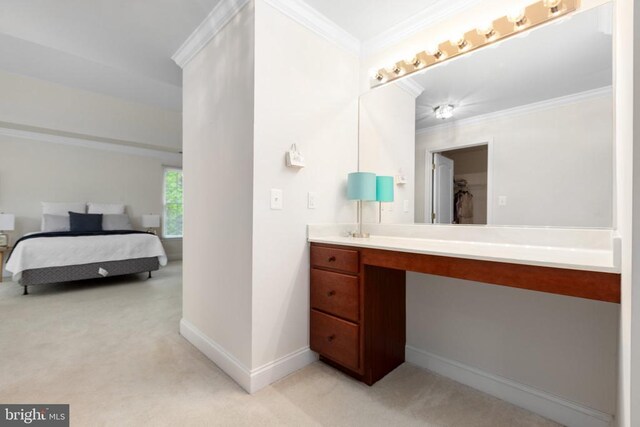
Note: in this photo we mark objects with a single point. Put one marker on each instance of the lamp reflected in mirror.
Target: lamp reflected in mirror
(384, 192)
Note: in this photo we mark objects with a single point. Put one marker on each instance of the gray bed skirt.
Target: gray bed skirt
(72, 273)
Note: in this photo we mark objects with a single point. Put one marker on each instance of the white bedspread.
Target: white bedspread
(63, 251)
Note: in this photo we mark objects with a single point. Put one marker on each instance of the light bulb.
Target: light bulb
(486, 30)
(377, 74)
(396, 70)
(414, 61)
(459, 41)
(517, 17)
(435, 52)
(552, 5)
(443, 112)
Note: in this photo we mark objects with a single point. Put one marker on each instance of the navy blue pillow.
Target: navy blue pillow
(85, 222)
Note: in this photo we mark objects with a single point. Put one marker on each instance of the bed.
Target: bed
(63, 255)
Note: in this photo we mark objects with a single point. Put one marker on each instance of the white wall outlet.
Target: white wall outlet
(405, 206)
(276, 199)
(502, 200)
(312, 199)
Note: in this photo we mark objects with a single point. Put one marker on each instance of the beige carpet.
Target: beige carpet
(112, 351)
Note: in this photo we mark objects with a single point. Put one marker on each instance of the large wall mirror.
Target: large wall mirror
(516, 133)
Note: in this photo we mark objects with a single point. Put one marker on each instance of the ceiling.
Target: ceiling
(365, 19)
(563, 58)
(118, 47)
(123, 48)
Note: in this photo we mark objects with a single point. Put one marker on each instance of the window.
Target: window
(173, 210)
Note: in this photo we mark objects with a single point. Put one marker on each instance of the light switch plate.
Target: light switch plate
(406, 206)
(312, 199)
(276, 199)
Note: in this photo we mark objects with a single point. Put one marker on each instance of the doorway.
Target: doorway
(460, 185)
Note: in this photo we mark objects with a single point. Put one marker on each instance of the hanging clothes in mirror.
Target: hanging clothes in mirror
(462, 203)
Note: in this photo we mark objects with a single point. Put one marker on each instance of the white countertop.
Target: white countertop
(583, 257)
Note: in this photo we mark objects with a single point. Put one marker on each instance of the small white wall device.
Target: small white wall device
(294, 158)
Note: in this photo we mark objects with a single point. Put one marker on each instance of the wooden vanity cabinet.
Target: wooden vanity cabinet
(358, 329)
(358, 306)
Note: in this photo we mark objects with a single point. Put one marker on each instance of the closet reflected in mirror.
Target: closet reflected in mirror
(517, 133)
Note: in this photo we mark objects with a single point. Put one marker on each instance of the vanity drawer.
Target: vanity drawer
(335, 259)
(335, 339)
(335, 294)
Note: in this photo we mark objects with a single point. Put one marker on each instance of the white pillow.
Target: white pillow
(106, 208)
(116, 222)
(53, 223)
(56, 208)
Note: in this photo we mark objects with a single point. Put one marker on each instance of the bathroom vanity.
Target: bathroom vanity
(502, 173)
(358, 295)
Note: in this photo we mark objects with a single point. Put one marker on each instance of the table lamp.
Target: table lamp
(384, 192)
(7, 223)
(361, 186)
(151, 222)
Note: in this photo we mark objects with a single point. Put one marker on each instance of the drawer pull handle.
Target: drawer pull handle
(331, 293)
(332, 259)
(331, 337)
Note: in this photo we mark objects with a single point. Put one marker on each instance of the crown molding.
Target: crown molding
(207, 30)
(523, 109)
(411, 86)
(15, 130)
(436, 12)
(310, 18)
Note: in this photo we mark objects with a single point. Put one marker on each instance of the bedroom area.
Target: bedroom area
(91, 199)
(86, 153)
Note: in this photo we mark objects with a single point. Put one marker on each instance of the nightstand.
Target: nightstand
(3, 250)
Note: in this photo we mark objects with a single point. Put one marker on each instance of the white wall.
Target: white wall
(386, 147)
(561, 345)
(42, 104)
(627, 125)
(555, 166)
(306, 93)
(218, 103)
(634, 401)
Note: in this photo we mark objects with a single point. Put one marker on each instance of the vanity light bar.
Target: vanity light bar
(515, 22)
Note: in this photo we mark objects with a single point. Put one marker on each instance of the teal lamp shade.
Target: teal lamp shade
(361, 186)
(384, 188)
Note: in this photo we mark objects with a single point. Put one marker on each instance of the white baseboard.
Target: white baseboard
(552, 407)
(218, 355)
(280, 368)
(250, 380)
